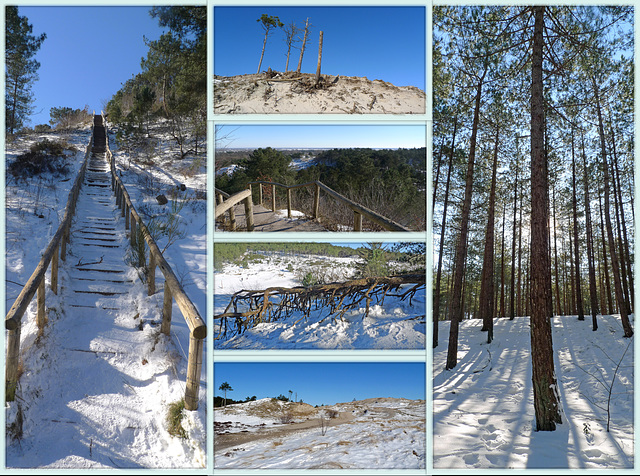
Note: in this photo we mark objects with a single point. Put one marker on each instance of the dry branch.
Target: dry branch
(248, 308)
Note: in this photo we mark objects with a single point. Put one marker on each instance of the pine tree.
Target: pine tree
(21, 68)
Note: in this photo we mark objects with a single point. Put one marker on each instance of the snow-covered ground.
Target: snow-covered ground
(394, 325)
(483, 408)
(115, 417)
(377, 433)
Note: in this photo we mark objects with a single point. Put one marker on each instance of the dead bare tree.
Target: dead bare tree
(291, 37)
(307, 26)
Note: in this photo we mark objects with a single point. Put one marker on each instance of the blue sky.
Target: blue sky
(322, 383)
(386, 43)
(323, 136)
(88, 53)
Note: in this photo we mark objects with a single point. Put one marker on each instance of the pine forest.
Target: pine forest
(533, 181)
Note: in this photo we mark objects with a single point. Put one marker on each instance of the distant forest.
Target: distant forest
(390, 182)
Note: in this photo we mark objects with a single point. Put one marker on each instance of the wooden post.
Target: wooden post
(41, 319)
(152, 273)
(133, 232)
(194, 368)
(167, 303)
(289, 202)
(273, 198)
(127, 216)
(319, 58)
(232, 218)
(54, 270)
(260, 194)
(124, 207)
(219, 200)
(63, 244)
(316, 202)
(357, 221)
(248, 212)
(12, 363)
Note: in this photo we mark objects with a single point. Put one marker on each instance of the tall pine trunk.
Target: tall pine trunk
(461, 254)
(436, 293)
(575, 233)
(512, 290)
(617, 285)
(543, 372)
(593, 291)
(486, 283)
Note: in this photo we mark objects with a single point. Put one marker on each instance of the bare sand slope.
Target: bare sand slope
(307, 417)
(290, 93)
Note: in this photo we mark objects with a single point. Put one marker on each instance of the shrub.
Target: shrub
(45, 156)
(174, 419)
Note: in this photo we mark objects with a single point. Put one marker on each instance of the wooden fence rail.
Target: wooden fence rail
(56, 249)
(231, 201)
(172, 288)
(358, 210)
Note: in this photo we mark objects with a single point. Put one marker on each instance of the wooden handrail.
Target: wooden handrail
(56, 248)
(172, 290)
(359, 210)
(232, 201)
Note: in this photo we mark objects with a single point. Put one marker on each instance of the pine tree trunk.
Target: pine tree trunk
(593, 291)
(622, 308)
(504, 216)
(543, 373)
(622, 229)
(264, 45)
(486, 284)
(555, 249)
(519, 286)
(575, 234)
(605, 262)
(461, 253)
(512, 291)
(436, 293)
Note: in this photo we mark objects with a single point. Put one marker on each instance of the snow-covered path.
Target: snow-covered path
(96, 386)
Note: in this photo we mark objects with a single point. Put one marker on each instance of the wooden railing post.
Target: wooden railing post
(232, 219)
(289, 202)
(316, 202)
(273, 198)
(63, 243)
(165, 327)
(54, 270)
(12, 363)
(194, 367)
(133, 231)
(152, 274)
(357, 221)
(41, 319)
(219, 200)
(260, 194)
(248, 212)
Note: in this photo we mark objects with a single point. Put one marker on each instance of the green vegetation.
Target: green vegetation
(63, 118)
(171, 86)
(234, 252)
(45, 156)
(20, 67)
(390, 182)
(174, 419)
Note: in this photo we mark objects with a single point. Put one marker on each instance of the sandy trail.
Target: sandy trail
(228, 440)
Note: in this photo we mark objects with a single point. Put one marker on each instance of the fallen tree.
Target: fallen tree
(248, 308)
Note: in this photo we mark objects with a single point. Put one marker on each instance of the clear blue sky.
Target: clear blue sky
(322, 383)
(88, 53)
(323, 136)
(386, 43)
